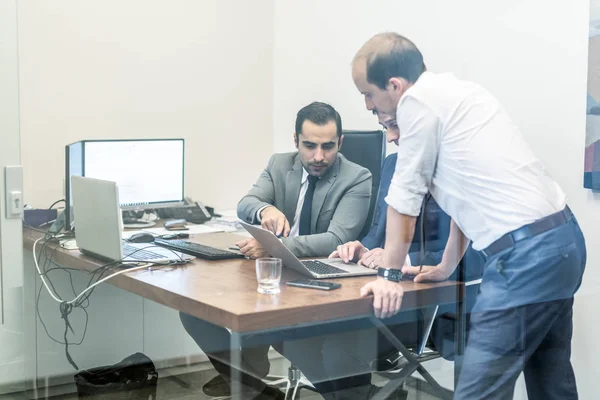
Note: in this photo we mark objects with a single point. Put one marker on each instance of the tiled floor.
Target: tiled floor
(188, 386)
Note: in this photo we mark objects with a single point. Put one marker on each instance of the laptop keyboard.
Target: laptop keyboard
(321, 268)
(137, 254)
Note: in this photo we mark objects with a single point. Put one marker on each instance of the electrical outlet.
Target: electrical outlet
(15, 204)
(13, 186)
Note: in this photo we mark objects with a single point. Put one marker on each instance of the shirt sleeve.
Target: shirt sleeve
(417, 156)
(258, 213)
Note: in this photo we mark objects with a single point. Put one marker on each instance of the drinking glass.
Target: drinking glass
(268, 274)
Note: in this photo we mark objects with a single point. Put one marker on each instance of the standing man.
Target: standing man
(459, 144)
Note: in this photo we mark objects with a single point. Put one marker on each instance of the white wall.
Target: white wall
(200, 70)
(531, 55)
(12, 366)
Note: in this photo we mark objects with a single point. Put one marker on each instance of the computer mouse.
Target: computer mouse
(142, 237)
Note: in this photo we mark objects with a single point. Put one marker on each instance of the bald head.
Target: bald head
(390, 55)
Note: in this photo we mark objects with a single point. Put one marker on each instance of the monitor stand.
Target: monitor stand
(134, 223)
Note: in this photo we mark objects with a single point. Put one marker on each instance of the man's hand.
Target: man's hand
(251, 248)
(275, 221)
(372, 258)
(387, 297)
(351, 251)
(431, 273)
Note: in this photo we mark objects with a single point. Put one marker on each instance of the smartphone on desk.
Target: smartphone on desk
(314, 284)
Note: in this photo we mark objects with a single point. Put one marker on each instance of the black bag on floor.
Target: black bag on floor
(133, 378)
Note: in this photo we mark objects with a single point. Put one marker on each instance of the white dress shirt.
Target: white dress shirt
(458, 142)
(295, 228)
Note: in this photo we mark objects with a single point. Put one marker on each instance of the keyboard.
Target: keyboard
(321, 268)
(197, 250)
(136, 253)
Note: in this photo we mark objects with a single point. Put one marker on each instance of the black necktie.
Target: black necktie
(305, 214)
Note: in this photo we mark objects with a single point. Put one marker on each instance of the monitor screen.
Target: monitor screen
(149, 173)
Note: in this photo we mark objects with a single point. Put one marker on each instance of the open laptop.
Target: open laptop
(318, 268)
(99, 226)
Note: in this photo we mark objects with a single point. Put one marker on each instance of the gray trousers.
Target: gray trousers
(353, 352)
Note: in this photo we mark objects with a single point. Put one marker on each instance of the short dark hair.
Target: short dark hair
(318, 113)
(396, 56)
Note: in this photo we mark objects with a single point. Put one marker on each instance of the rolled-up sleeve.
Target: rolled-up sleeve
(417, 156)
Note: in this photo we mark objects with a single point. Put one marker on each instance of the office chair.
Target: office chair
(367, 149)
(400, 368)
(396, 363)
(397, 367)
(295, 380)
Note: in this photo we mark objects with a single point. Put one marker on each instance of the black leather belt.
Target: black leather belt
(527, 231)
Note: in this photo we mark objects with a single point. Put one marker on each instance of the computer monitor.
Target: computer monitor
(148, 172)
(73, 167)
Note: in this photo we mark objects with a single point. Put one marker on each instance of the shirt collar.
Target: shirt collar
(304, 176)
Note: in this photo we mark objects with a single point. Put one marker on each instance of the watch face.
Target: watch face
(394, 275)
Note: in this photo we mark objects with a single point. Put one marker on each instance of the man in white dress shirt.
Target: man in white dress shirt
(459, 144)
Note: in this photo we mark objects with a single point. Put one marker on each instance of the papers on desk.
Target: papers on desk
(71, 244)
(68, 244)
(221, 227)
(192, 230)
(229, 218)
(229, 222)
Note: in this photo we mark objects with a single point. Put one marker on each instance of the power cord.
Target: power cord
(58, 299)
(80, 300)
(84, 308)
(70, 302)
(53, 238)
(56, 202)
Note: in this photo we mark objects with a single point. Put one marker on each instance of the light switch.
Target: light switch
(13, 186)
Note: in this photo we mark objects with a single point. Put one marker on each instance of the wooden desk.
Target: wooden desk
(224, 292)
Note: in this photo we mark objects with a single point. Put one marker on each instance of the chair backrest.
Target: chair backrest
(367, 149)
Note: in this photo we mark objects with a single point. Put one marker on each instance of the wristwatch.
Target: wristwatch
(390, 274)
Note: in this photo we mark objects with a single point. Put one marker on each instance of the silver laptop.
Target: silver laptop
(318, 268)
(99, 226)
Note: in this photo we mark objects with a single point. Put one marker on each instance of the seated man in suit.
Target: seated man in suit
(315, 199)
